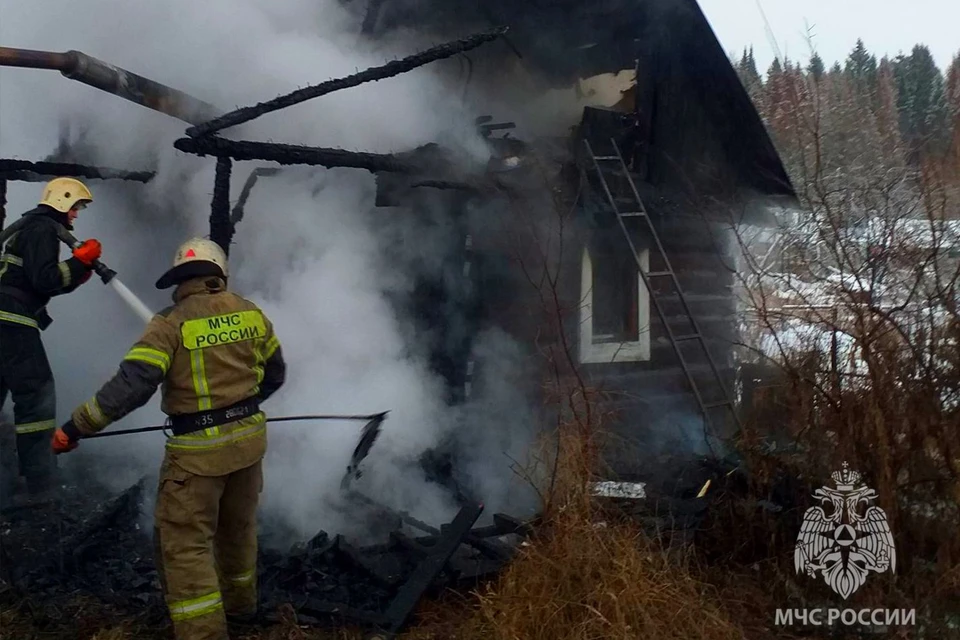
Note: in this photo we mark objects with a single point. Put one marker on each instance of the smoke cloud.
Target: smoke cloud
(312, 249)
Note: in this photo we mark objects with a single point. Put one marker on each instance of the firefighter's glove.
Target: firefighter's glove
(88, 252)
(66, 438)
(85, 277)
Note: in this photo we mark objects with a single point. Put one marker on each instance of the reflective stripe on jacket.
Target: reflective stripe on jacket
(31, 263)
(210, 350)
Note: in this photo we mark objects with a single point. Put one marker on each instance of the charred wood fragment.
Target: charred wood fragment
(26, 171)
(392, 68)
(260, 172)
(221, 229)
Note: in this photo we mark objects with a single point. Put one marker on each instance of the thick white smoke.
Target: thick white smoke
(308, 249)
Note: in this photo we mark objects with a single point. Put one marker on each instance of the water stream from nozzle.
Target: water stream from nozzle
(131, 299)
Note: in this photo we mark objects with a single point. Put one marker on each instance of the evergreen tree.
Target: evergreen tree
(816, 67)
(862, 68)
(775, 69)
(749, 76)
(921, 101)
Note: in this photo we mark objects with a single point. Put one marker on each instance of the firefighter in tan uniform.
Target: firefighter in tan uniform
(217, 358)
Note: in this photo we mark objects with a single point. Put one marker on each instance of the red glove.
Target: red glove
(85, 277)
(88, 252)
(66, 438)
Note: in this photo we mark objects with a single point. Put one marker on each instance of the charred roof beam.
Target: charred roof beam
(390, 69)
(290, 154)
(26, 171)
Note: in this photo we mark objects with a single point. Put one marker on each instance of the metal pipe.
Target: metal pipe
(120, 82)
(10, 57)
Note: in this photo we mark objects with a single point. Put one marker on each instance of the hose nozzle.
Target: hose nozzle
(106, 273)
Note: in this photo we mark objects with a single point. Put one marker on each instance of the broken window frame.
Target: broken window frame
(593, 351)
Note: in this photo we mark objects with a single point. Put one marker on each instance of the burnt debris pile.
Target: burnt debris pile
(90, 543)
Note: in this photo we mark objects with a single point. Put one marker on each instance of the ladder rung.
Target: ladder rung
(657, 274)
(608, 158)
(689, 336)
(633, 214)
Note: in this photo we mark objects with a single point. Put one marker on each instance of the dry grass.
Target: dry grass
(592, 581)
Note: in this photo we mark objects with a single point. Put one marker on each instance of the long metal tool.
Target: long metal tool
(368, 436)
(125, 432)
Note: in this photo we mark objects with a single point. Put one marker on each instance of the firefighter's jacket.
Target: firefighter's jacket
(210, 350)
(31, 271)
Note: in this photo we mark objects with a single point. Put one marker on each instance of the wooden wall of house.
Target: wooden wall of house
(648, 405)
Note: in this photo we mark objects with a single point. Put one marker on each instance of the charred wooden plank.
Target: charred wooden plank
(427, 571)
(221, 228)
(26, 171)
(392, 68)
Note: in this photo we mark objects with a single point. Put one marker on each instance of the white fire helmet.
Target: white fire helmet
(196, 257)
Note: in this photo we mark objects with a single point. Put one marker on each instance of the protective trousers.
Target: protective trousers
(206, 539)
(25, 373)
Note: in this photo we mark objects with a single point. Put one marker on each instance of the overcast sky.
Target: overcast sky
(886, 27)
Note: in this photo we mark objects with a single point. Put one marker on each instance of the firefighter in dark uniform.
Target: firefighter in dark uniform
(30, 274)
(217, 358)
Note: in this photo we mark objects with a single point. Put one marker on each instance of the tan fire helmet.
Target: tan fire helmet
(196, 257)
(64, 193)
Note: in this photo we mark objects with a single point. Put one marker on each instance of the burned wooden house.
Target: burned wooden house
(657, 177)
